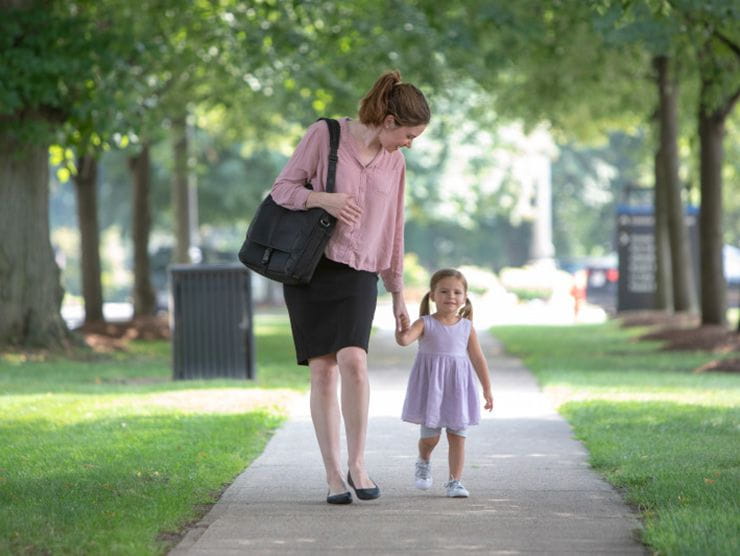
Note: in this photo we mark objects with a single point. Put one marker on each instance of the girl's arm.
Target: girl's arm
(481, 367)
(409, 334)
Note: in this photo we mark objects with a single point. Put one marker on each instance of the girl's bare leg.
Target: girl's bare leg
(426, 446)
(456, 455)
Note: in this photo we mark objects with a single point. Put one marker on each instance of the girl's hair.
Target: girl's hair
(389, 96)
(466, 311)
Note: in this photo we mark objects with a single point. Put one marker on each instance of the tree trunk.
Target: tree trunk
(86, 183)
(713, 284)
(663, 283)
(180, 193)
(684, 288)
(144, 298)
(30, 290)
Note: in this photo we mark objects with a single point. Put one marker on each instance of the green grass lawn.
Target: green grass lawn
(669, 437)
(107, 455)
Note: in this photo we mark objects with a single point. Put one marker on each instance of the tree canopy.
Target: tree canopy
(111, 76)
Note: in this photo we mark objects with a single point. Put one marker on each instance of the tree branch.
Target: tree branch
(731, 45)
(729, 104)
(722, 37)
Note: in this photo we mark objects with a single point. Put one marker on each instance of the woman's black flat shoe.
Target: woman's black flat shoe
(343, 498)
(364, 493)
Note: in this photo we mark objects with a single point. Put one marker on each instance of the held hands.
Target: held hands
(404, 321)
(399, 311)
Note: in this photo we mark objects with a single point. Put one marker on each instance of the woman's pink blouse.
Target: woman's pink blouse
(375, 243)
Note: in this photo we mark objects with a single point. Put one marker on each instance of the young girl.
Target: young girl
(442, 391)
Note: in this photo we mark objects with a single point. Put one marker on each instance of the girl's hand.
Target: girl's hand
(405, 322)
(410, 333)
(341, 206)
(489, 400)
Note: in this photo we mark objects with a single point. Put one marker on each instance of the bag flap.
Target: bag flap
(280, 228)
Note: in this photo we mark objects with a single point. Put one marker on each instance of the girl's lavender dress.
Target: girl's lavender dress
(443, 389)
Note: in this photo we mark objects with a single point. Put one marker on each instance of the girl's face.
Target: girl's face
(448, 295)
(393, 137)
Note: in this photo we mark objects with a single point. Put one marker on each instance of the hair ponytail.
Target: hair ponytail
(424, 307)
(466, 311)
(390, 96)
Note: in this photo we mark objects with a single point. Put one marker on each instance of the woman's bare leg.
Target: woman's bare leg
(325, 416)
(352, 363)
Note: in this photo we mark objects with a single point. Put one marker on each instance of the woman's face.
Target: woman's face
(393, 137)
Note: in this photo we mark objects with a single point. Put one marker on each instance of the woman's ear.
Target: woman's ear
(389, 122)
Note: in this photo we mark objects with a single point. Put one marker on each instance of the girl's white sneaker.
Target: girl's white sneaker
(455, 489)
(423, 474)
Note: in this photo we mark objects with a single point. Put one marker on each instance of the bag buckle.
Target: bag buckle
(266, 256)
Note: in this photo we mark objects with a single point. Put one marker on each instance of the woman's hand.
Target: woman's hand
(400, 312)
(341, 206)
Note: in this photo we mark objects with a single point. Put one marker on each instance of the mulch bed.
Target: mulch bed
(682, 332)
(731, 365)
(114, 336)
(658, 318)
(717, 339)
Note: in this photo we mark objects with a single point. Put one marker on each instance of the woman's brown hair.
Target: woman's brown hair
(390, 96)
(466, 311)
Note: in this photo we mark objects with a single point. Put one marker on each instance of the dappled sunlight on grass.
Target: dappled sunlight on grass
(72, 408)
(218, 400)
(561, 394)
(145, 367)
(678, 462)
(654, 426)
(116, 480)
(105, 453)
(608, 363)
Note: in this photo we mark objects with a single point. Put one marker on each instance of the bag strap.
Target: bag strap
(334, 133)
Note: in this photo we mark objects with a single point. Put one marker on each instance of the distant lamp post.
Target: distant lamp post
(540, 150)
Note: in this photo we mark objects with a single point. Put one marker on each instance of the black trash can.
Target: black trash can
(211, 321)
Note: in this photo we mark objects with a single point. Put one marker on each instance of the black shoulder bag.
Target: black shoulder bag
(286, 245)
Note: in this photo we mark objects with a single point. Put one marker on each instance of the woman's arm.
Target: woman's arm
(289, 189)
(393, 275)
(481, 367)
(409, 334)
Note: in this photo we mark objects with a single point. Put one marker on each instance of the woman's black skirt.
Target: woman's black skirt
(334, 311)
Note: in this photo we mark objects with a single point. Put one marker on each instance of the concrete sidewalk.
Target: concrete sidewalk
(532, 491)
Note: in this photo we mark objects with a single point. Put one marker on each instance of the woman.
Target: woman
(332, 316)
